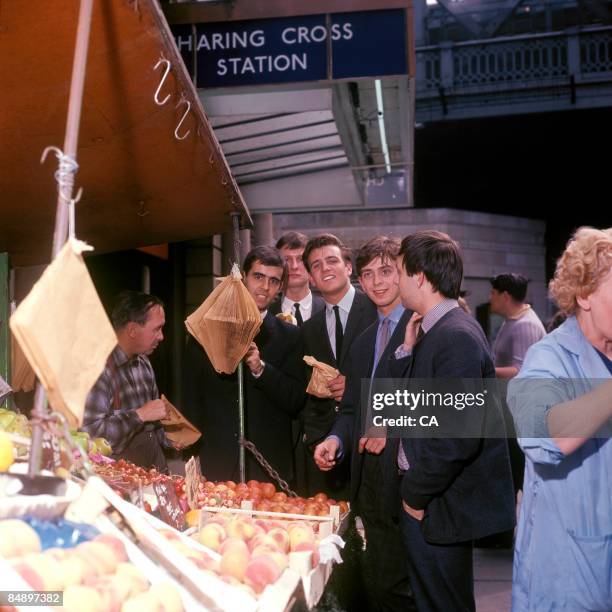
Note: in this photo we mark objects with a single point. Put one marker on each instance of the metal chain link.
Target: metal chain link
(266, 466)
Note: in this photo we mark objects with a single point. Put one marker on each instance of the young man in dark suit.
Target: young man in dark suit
(273, 382)
(363, 448)
(327, 337)
(453, 490)
(297, 297)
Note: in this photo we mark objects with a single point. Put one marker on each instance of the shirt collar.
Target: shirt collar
(521, 313)
(305, 303)
(345, 303)
(264, 314)
(120, 356)
(394, 316)
(437, 312)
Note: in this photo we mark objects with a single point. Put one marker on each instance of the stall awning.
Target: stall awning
(141, 185)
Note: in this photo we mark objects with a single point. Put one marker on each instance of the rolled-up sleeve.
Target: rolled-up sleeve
(530, 397)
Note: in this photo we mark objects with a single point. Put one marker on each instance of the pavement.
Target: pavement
(492, 579)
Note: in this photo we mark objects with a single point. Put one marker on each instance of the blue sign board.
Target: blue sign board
(295, 49)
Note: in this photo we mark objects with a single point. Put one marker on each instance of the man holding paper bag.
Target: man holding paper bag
(124, 405)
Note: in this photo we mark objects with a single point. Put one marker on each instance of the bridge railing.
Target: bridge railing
(509, 62)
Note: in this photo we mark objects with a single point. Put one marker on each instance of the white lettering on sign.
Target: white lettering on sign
(184, 41)
(231, 40)
(318, 33)
(262, 63)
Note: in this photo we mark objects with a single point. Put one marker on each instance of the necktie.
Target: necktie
(383, 338)
(298, 314)
(339, 334)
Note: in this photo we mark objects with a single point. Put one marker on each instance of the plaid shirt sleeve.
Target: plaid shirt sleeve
(101, 420)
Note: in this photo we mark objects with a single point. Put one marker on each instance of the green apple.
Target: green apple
(103, 447)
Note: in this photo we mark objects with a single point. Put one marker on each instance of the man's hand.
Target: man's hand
(416, 514)
(336, 387)
(325, 454)
(155, 410)
(412, 329)
(375, 446)
(253, 360)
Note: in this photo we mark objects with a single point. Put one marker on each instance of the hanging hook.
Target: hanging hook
(211, 159)
(224, 181)
(163, 80)
(182, 119)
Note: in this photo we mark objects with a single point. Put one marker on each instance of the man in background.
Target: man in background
(297, 298)
(521, 327)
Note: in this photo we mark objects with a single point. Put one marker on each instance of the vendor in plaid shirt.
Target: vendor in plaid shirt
(124, 405)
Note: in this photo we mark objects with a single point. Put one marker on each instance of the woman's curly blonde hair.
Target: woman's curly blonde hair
(585, 261)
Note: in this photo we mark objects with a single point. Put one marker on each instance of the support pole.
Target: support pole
(73, 121)
(239, 373)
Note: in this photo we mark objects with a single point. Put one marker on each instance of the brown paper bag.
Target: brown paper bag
(178, 429)
(64, 332)
(322, 374)
(226, 323)
(22, 374)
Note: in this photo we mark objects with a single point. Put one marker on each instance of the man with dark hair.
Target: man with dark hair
(273, 385)
(124, 406)
(328, 337)
(453, 490)
(297, 298)
(364, 449)
(521, 328)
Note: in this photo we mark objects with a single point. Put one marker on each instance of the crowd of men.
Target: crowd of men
(429, 497)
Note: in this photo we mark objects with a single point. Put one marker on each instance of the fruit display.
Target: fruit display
(252, 553)
(7, 453)
(12, 422)
(95, 576)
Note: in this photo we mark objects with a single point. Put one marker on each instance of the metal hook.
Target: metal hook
(163, 79)
(224, 181)
(211, 159)
(181, 121)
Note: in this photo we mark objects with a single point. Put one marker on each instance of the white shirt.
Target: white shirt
(344, 307)
(305, 303)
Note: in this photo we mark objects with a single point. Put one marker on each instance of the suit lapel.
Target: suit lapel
(353, 324)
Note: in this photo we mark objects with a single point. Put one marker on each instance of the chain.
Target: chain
(266, 466)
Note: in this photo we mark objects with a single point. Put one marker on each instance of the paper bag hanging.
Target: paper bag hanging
(178, 429)
(226, 323)
(64, 331)
(322, 374)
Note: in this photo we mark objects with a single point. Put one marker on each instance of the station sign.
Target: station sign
(295, 49)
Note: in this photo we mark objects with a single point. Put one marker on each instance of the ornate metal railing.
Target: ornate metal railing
(537, 58)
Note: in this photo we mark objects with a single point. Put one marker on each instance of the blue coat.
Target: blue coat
(563, 551)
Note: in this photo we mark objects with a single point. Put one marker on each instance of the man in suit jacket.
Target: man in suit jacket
(297, 298)
(351, 440)
(327, 337)
(453, 490)
(273, 381)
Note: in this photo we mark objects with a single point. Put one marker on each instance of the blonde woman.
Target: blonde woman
(561, 402)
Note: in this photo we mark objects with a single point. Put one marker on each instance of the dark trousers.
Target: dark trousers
(385, 561)
(441, 576)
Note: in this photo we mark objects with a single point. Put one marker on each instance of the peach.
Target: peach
(115, 544)
(263, 540)
(300, 532)
(17, 538)
(30, 575)
(234, 561)
(138, 583)
(268, 490)
(144, 601)
(113, 591)
(211, 535)
(308, 547)
(169, 597)
(101, 556)
(281, 537)
(241, 528)
(261, 572)
(79, 598)
(72, 570)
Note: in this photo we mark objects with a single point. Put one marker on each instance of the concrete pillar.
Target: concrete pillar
(263, 230)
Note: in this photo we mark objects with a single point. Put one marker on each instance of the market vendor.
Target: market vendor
(124, 406)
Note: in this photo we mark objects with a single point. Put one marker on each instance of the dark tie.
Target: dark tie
(339, 333)
(383, 338)
(298, 314)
